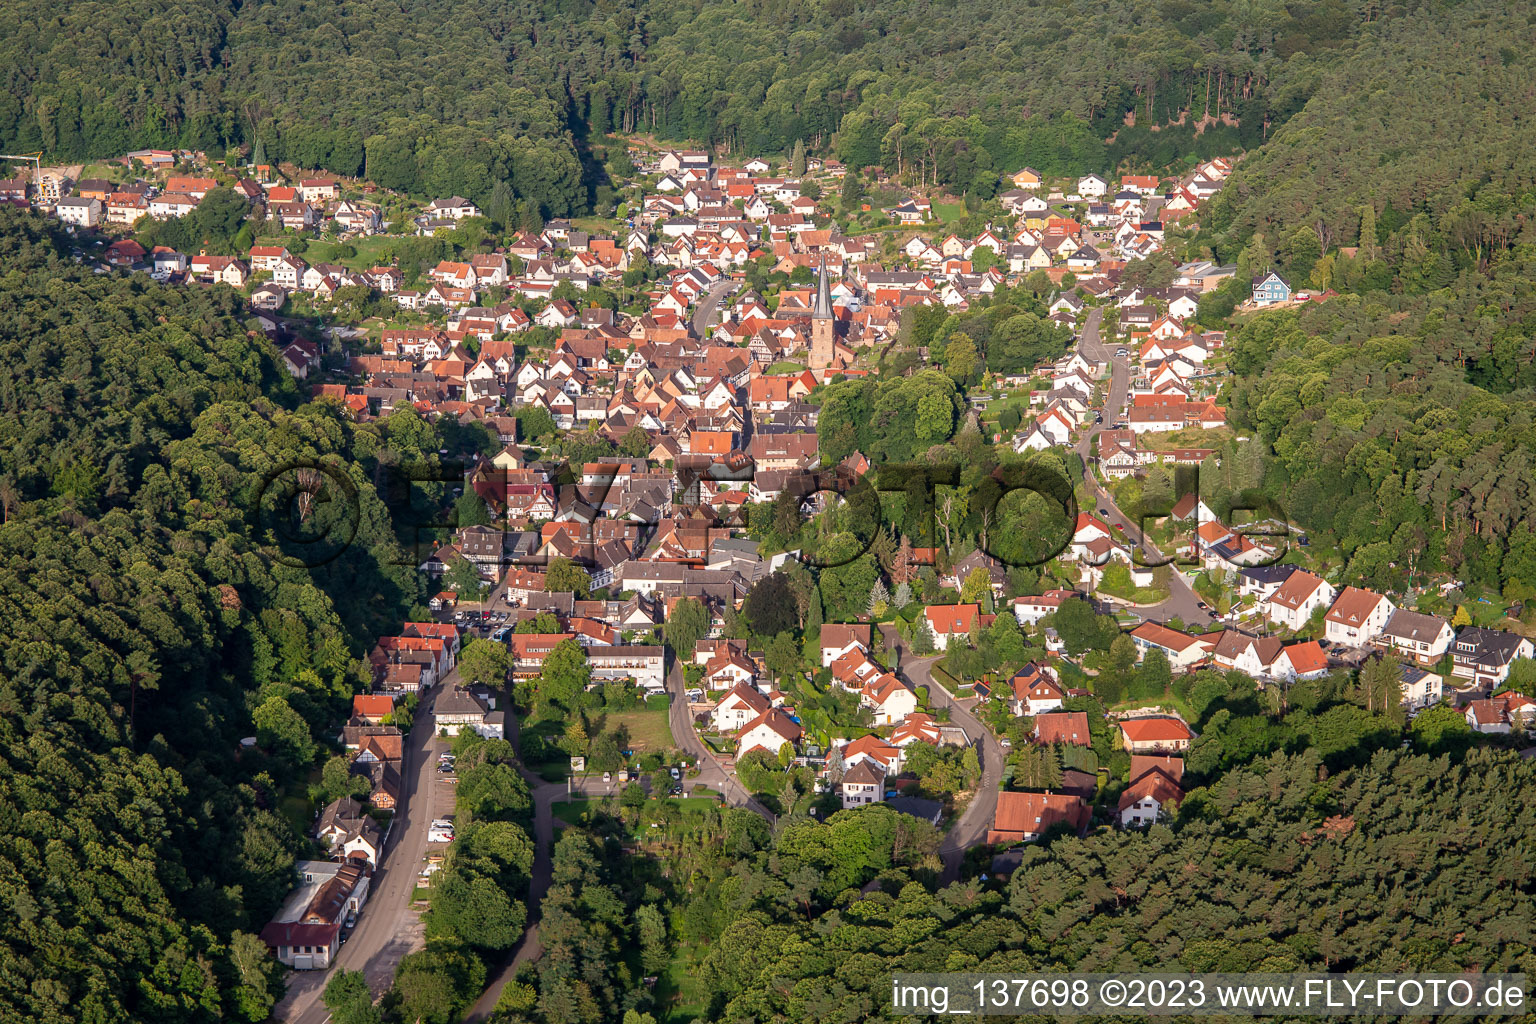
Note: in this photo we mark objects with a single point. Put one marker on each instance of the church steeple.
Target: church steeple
(823, 308)
(823, 323)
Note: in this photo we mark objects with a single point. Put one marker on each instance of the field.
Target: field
(648, 729)
(947, 212)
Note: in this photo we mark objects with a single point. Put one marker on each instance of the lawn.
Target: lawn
(648, 729)
(947, 212)
(368, 250)
(680, 991)
(785, 367)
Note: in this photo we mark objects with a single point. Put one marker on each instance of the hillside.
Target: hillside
(438, 98)
(152, 623)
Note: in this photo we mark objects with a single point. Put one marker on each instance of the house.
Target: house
(1501, 714)
(1031, 608)
(729, 668)
(863, 784)
(1356, 616)
(950, 620)
(1024, 817)
(1306, 660)
(306, 932)
(1066, 727)
(1182, 650)
(1028, 178)
(770, 731)
(1294, 601)
(1036, 690)
(1421, 689)
(338, 818)
(458, 708)
(838, 637)
(80, 213)
(1485, 655)
(372, 707)
(743, 704)
(1092, 186)
(872, 748)
(1253, 655)
(1155, 735)
(889, 699)
(1270, 289)
(1155, 788)
(1423, 638)
(644, 664)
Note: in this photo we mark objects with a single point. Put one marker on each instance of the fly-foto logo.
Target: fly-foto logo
(311, 510)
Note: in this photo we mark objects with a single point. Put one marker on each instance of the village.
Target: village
(644, 385)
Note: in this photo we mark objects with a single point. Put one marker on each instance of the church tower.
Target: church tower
(823, 322)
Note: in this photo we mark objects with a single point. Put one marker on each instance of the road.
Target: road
(711, 772)
(388, 928)
(1182, 601)
(977, 818)
(704, 313)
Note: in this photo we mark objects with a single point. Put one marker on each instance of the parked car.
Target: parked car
(607, 776)
(676, 774)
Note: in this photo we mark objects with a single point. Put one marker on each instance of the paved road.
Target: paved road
(704, 313)
(388, 928)
(977, 818)
(1182, 601)
(711, 772)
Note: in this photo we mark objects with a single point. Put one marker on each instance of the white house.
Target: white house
(1092, 186)
(741, 705)
(862, 785)
(1356, 616)
(1292, 604)
(1424, 638)
(769, 731)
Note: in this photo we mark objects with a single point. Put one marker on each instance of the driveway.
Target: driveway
(977, 818)
(388, 927)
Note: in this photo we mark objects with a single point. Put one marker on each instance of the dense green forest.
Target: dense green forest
(152, 622)
(1401, 863)
(436, 97)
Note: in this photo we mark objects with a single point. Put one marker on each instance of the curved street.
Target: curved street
(704, 313)
(1182, 601)
(977, 817)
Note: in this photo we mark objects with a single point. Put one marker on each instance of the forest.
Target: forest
(440, 98)
(1403, 862)
(152, 623)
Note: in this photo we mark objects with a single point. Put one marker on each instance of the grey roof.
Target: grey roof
(917, 807)
(823, 307)
(1416, 626)
(1268, 574)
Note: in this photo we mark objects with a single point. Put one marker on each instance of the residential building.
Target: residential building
(1024, 817)
(1356, 616)
(1155, 789)
(306, 933)
(1293, 602)
(769, 731)
(863, 784)
(743, 704)
(1423, 638)
(1483, 656)
(1155, 735)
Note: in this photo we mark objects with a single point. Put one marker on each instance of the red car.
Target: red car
(1120, 527)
